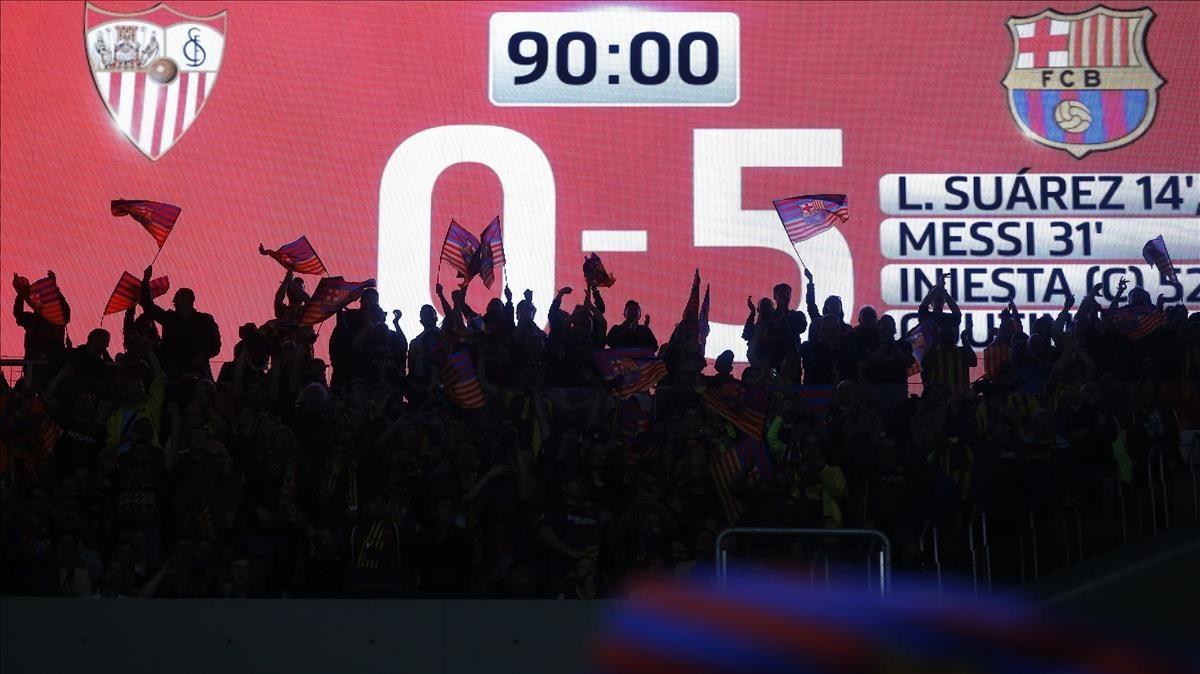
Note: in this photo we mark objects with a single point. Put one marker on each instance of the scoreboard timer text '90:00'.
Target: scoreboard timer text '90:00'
(614, 57)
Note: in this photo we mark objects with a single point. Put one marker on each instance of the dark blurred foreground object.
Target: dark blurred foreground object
(783, 625)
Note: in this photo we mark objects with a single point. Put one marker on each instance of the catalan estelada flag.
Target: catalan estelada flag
(629, 371)
(808, 215)
(158, 218)
(331, 295)
(298, 256)
(125, 295)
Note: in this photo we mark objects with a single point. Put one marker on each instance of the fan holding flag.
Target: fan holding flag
(190, 338)
(471, 256)
(46, 326)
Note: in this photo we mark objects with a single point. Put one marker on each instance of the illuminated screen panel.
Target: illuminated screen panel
(1026, 153)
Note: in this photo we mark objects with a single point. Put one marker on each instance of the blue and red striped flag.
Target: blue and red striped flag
(298, 256)
(629, 371)
(808, 215)
(125, 295)
(459, 248)
(743, 405)
(460, 382)
(491, 253)
(158, 218)
(47, 300)
(1135, 321)
(921, 337)
(472, 257)
(331, 295)
(1155, 252)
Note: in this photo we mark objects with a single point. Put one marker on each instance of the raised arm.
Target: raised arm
(1120, 294)
(748, 328)
(156, 312)
(598, 301)
(810, 297)
(22, 292)
(281, 293)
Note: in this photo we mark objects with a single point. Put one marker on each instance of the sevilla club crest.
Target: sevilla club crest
(155, 69)
(1082, 82)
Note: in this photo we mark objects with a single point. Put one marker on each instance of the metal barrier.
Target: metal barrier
(15, 368)
(885, 549)
(981, 516)
(937, 556)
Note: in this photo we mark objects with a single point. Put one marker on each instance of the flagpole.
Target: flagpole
(797, 252)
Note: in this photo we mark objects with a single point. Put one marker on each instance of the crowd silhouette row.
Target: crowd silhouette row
(130, 470)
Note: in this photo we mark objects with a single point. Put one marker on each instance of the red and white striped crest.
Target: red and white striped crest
(154, 69)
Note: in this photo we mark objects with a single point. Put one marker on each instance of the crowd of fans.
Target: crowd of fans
(131, 471)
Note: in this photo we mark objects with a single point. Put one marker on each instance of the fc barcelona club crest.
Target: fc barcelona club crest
(155, 69)
(1082, 82)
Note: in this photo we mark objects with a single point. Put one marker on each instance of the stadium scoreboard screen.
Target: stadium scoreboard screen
(1024, 150)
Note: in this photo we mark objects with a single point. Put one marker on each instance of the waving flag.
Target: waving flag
(921, 337)
(491, 251)
(331, 295)
(126, 293)
(47, 301)
(298, 256)
(1135, 322)
(742, 405)
(460, 382)
(1155, 252)
(806, 216)
(595, 273)
(629, 371)
(459, 248)
(158, 218)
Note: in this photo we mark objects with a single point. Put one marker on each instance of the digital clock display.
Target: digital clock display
(614, 58)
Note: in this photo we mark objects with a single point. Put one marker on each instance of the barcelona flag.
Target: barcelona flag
(298, 256)
(125, 295)
(156, 217)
